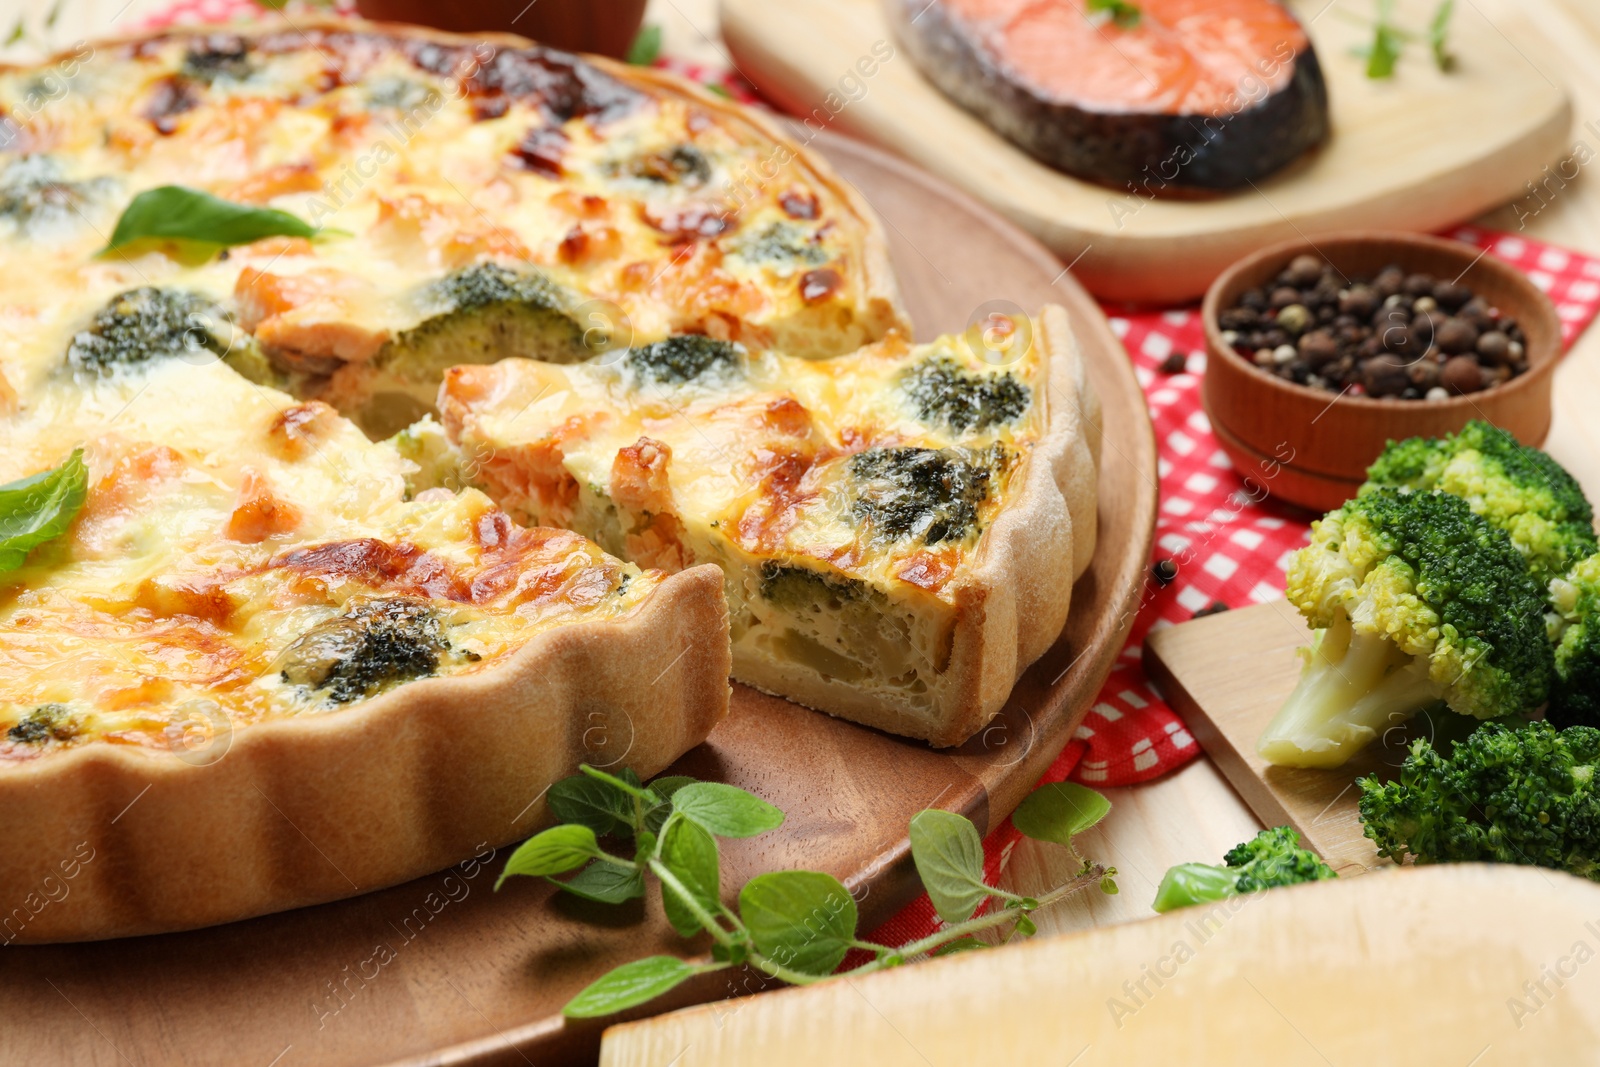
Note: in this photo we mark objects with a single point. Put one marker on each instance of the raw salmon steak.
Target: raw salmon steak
(1162, 97)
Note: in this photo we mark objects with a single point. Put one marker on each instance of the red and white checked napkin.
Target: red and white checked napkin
(1227, 547)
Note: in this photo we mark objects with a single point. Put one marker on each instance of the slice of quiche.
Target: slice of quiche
(899, 529)
(477, 198)
(251, 675)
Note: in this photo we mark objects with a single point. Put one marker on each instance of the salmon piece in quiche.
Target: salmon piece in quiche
(899, 528)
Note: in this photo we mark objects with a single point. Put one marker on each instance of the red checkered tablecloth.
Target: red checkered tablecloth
(1228, 541)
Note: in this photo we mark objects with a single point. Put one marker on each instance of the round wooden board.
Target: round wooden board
(442, 970)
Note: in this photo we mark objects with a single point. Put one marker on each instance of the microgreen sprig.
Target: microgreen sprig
(796, 926)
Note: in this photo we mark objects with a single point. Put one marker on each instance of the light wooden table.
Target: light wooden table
(1192, 814)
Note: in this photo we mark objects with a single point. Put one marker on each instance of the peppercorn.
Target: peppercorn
(1318, 347)
(1175, 363)
(1418, 284)
(1305, 270)
(1455, 336)
(1461, 374)
(1384, 376)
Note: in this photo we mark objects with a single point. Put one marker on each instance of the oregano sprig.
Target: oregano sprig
(795, 926)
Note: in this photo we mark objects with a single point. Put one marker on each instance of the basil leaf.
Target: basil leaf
(803, 920)
(690, 853)
(1059, 812)
(39, 508)
(949, 857)
(590, 802)
(726, 810)
(605, 882)
(646, 46)
(174, 211)
(628, 985)
(1195, 883)
(558, 849)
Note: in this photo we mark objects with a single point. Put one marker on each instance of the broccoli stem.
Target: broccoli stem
(1195, 883)
(1354, 686)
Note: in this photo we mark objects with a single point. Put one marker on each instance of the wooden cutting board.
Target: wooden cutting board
(1420, 152)
(1426, 965)
(1227, 675)
(444, 970)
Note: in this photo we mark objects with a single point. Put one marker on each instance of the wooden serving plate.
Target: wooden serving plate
(1418, 152)
(442, 970)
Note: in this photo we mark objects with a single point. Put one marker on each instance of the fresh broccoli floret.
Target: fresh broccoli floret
(1574, 626)
(38, 199)
(47, 722)
(1523, 794)
(682, 358)
(149, 323)
(1518, 489)
(1417, 600)
(925, 494)
(942, 391)
(1271, 859)
(372, 646)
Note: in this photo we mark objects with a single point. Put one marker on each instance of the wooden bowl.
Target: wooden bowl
(604, 26)
(1311, 447)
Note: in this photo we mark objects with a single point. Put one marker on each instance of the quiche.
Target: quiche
(473, 199)
(899, 528)
(252, 675)
(452, 412)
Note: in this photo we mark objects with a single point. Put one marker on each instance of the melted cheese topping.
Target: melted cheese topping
(225, 522)
(657, 214)
(845, 499)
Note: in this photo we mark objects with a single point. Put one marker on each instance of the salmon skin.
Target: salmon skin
(1195, 97)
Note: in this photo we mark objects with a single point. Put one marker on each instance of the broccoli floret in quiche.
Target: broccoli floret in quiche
(682, 164)
(683, 358)
(151, 323)
(781, 244)
(944, 392)
(218, 57)
(1416, 600)
(374, 645)
(479, 314)
(921, 493)
(47, 722)
(485, 312)
(38, 198)
(801, 589)
(1521, 490)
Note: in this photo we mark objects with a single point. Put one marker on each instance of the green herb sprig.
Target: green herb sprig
(176, 212)
(39, 508)
(796, 926)
(1389, 40)
(1126, 16)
